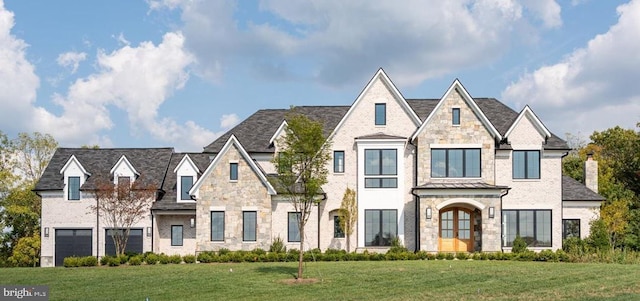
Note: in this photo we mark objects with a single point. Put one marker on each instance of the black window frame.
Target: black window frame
(244, 225)
(564, 227)
(380, 179)
(381, 240)
(233, 171)
(383, 110)
(338, 166)
(184, 193)
(173, 227)
(338, 232)
(223, 225)
(464, 162)
(455, 116)
(526, 165)
(292, 231)
(534, 243)
(72, 196)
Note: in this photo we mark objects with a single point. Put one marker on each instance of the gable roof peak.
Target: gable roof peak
(71, 160)
(537, 123)
(186, 159)
(124, 160)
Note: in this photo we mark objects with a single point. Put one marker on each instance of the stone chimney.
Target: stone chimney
(591, 173)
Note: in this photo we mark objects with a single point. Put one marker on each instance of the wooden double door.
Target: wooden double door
(456, 230)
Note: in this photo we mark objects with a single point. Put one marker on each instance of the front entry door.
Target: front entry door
(456, 230)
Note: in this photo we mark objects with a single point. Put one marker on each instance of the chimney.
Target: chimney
(591, 173)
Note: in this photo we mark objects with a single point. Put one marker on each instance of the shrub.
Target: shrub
(449, 256)
(224, 251)
(177, 259)
(88, 261)
(123, 259)
(105, 260)
(519, 245)
(163, 258)
(546, 255)
(71, 262)
(526, 255)
(259, 251)
(151, 258)
(277, 246)
(598, 237)
(423, 255)
(476, 256)
(562, 255)
(575, 246)
(335, 251)
(114, 261)
(189, 258)
(135, 260)
(462, 256)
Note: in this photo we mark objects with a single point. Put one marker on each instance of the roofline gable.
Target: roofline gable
(394, 91)
(230, 142)
(186, 158)
(74, 159)
(126, 161)
(457, 86)
(281, 128)
(526, 111)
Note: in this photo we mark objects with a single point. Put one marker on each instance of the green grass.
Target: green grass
(388, 280)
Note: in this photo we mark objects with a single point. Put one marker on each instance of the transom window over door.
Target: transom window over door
(381, 227)
(455, 163)
(381, 168)
(526, 164)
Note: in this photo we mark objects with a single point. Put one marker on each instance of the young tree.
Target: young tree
(122, 206)
(301, 161)
(32, 154)
(615, 215)
(348, 214)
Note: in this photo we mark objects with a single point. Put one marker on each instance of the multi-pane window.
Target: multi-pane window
(534, 226)
(186, 182)
(249, 225)
(338, 232)
(381, 114)
(455, 163)
(176, 235)
(217, 225)
(73, 192)
(293, 229)
(570, 228)
(233, 171)
(455, 116)
(338, 161)
(380, 227)
(381, 168)
(526, 164)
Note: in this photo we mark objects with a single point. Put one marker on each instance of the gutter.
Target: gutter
(324, 198)
(416, 198)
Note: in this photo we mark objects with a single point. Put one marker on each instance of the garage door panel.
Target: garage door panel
(73, 242)
(134, 243)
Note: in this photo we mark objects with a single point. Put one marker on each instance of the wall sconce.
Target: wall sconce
(46, 231)
(428, 212)
(193, 222)
(148, 231)
(492, 212)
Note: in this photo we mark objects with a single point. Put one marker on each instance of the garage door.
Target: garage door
(134, 243)
(73, 242)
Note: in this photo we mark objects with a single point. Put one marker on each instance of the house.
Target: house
(454, 174)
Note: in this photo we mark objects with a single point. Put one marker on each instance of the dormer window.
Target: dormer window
(186, 182)
(74, 188)
(455, 116)
(233, 171)
(381, 114)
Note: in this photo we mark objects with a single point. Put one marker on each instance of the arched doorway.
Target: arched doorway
(456, 230)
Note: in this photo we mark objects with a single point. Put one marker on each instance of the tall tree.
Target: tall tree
(301, 161)
(348, 214)
(122, 206)
(31, 154)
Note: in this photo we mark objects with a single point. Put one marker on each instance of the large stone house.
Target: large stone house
(455, 174)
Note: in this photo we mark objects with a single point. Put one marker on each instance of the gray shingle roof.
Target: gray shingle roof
(573, 190)
(151, 163)
(170, 184)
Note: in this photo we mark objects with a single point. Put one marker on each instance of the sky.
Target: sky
(179, 73)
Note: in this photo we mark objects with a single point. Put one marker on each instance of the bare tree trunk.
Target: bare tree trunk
(301, 255)
(348, 242)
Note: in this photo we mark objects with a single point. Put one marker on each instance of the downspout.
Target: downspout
(324, 198)
(500, 218)
(97, 229)
(417, 198)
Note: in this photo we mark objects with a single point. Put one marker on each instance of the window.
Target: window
(249, 225)
(570, 228)
(233, 171)
(293, 230)
(380, 163)
(217, 225)
(381, 114)
(380, 227)
(186, 182)
(526, 164)
(176, 235)
(73, 192)
(455, 163)
(534, 226)
(337, 230)
(455, 116)
(338, 161)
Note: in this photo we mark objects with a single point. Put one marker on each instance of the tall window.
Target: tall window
(186, 182)
(293, 232)
(570, 228)
(455, 116)
(176, 235)
(526, 164)
(455, 163)
(381, 168)
(380, 227)
(337, 230)
(217, 225)
(534, 226)
(73, 190)
(381, 114)
(249, 225)
(338, 161)
(233, 171)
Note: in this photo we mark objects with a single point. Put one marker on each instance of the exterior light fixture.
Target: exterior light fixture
(193, 222)
(428, 212)
(148, 231)
(46, 231)
(492, 212)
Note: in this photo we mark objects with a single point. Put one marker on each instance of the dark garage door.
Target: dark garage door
(134, 243)
(72, 242)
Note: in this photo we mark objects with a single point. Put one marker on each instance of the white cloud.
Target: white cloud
(596, 84)
(71, 59)
(228, 121)
(546, 10)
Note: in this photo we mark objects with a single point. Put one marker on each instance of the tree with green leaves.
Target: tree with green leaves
(301, 161)
(348, 214)
(31, 154)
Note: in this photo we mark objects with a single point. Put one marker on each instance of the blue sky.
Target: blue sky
(181, 72)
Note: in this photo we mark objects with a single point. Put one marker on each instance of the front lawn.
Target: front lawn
(365, 280)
